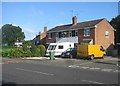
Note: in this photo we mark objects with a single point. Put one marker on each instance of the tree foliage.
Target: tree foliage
(115, 22)
(10, 34)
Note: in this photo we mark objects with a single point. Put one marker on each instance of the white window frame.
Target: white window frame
(57, 34)
(70, 33)
(49, 35)
(86, 32)
(106, 34)
(76, 32)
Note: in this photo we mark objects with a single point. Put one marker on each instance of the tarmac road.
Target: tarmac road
(59, 71)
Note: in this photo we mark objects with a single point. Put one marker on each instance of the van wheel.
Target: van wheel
(92, 57)
(71, 56)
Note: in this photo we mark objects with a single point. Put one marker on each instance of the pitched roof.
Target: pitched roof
(78, 25)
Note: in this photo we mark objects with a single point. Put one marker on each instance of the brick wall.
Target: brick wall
(100, 38)
(51, 40)
(81, 35)
(98, 35)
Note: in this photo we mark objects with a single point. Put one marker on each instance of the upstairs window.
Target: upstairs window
(76, 33)
(49, 35)
(57, 34)
(70, 34)
(106, 34)
(87, 32)
(73, 33)
(60, 34)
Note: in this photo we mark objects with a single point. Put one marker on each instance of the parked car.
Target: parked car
(70, 52)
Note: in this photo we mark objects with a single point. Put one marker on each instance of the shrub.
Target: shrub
(5, 53)
(38, 52)
(42, 50)
(25, 47)
(33, 50)
(27, 53)
(18, 53)
(11, 53)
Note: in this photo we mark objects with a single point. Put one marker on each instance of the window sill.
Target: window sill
(86, 35)
(49, 38)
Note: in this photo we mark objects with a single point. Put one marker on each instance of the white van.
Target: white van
(58, 48)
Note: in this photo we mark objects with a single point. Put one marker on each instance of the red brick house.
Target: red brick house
(41, 37)
(90, 32)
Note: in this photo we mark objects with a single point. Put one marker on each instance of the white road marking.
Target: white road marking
(86, 63)
(73, 66)
(108, 70)
(84, 67)
(117, 65)
(94, 68)
(35, 71)
(116, 71)
(92, 82)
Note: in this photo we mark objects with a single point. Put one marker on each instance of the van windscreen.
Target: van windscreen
(52, 47)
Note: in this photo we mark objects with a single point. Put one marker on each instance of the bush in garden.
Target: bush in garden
(5, 53)
(11, 53)
(42, 50)
(25, 47)
(18, 53)
(27, 53)
(38, 52)
(33, 50)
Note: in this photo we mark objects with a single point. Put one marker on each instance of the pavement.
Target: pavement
(105, 58)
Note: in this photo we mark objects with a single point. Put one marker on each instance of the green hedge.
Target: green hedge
(34, 51)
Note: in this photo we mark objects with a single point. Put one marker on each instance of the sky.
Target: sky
(33, 16)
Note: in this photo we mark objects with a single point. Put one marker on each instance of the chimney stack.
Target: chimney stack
(74, 20)
(45, 29)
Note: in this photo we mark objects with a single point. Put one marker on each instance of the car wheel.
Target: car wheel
(92, 57)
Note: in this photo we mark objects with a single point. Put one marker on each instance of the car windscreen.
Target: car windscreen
(69, 49)
(52, 47)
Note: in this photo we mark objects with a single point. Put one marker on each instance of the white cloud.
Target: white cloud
(60, 24)
(13, 24)
(29, 33)
(1, 26)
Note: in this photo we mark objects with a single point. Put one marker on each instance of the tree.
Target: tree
(115, 22)
(10, 34)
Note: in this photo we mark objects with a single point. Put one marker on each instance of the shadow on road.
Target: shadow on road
(106, 63)
(8, 83)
